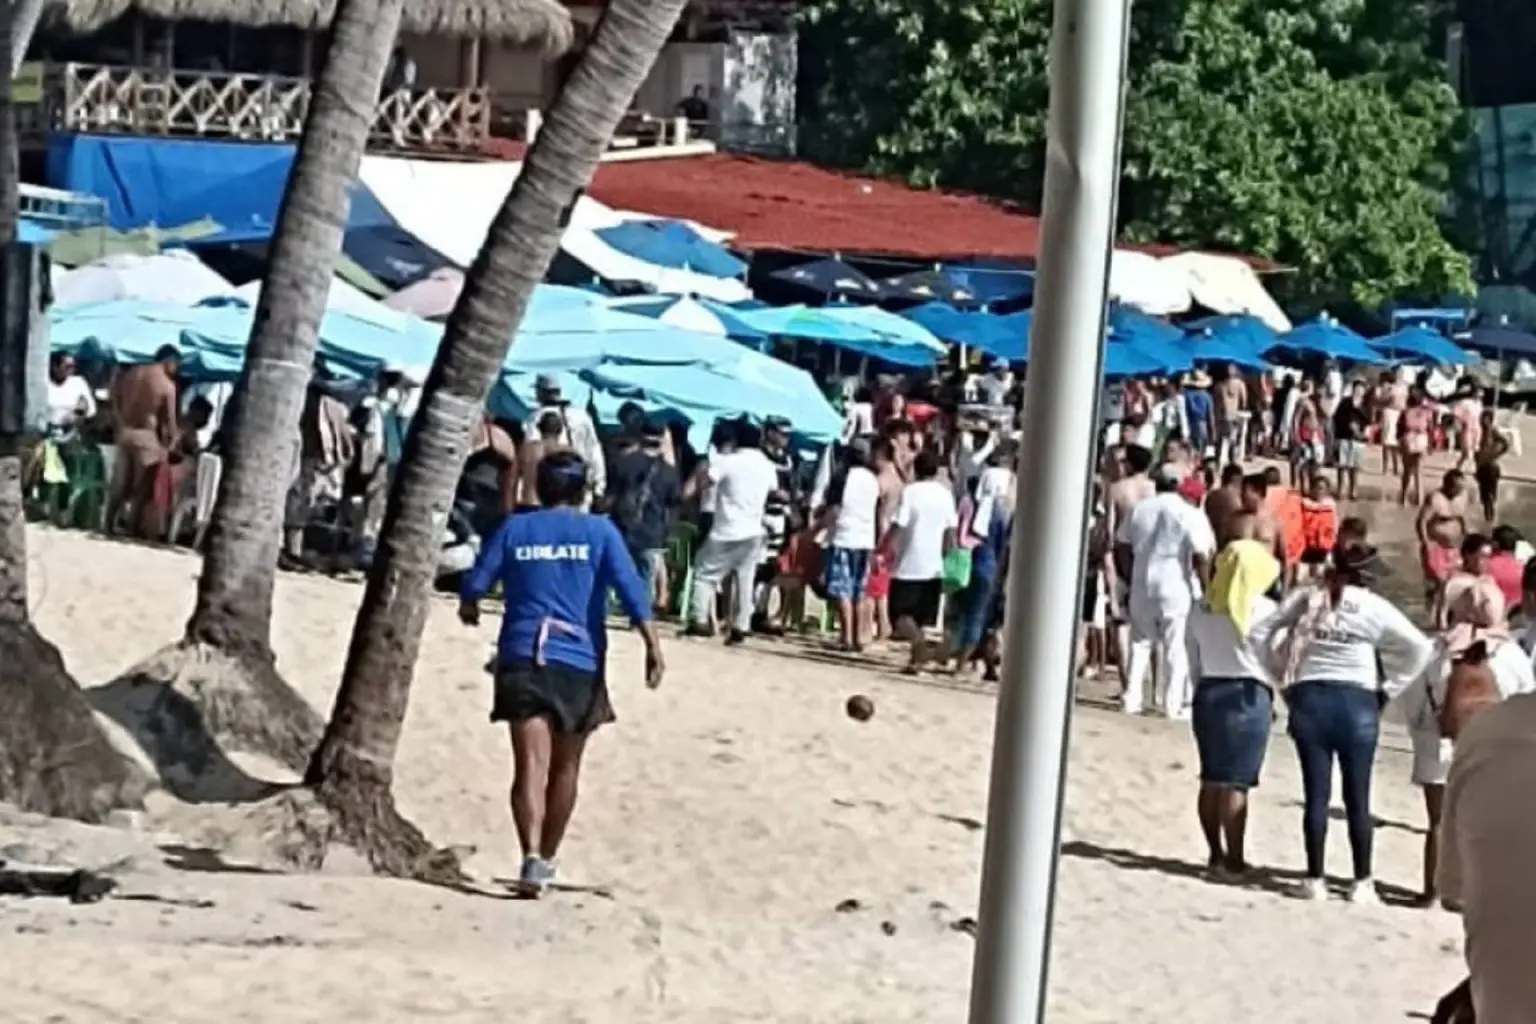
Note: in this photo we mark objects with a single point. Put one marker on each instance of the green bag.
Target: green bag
(957, 570)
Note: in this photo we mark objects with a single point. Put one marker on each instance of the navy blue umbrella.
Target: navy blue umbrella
(1503, 339)
(829, 277)
(927, 286)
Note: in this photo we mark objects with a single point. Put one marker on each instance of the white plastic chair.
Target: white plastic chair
(1507, 423)
(199, 503)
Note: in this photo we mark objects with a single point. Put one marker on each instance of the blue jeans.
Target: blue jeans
(1328, 721)
(977, 602)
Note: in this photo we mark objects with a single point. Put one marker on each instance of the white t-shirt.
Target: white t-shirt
(924, 513)
(858, 421)
(1487, 847)
(1347, 639)
(742, 482)
(855, 526)
(70, 401)
(993, 484)
(1215, 649)
(1165, 534)
(994, 389)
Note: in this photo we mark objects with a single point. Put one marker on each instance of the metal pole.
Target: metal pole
(1060, 416)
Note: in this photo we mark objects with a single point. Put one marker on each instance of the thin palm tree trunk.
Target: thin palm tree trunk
(54, 759)
(353, 765)
(225, 665)
(23, 27)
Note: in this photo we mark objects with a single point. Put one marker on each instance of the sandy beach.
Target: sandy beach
(730, 813)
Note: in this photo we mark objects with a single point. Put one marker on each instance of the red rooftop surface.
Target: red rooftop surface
(774, 204)
(781, 204)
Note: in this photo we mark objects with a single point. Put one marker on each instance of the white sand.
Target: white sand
(731, 812)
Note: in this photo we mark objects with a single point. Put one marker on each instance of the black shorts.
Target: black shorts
(575, 702)
(1090, 597)
(1487, 477)
(917, 600)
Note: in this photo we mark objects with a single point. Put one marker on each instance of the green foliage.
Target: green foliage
(1316, 133)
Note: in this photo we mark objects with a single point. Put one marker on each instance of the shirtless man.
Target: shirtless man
(1224, 504)
(144, 401)
(1442, 525)
(1255, 519)
(1231, 405)
(1122, 497)
(545, 441)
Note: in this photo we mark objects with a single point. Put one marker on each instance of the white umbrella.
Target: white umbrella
(175, 276)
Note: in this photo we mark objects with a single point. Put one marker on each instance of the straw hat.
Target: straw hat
(1199, 379)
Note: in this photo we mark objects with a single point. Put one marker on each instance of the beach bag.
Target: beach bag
(956, 574)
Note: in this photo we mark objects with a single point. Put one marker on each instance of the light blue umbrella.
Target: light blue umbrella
(894, 327)
(802, 323)
(695, 314)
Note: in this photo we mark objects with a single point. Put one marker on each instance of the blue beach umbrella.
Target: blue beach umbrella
(693, 314)
(670, 243)
(1423, 343)
(1327, 337)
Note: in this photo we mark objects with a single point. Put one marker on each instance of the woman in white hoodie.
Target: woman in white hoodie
(1325, 642)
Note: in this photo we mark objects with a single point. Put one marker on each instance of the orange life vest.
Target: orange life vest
(1319, 525)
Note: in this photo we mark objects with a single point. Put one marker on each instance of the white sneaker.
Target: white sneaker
(1364, 892)
(1311, 889)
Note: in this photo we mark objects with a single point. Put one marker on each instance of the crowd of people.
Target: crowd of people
(1245, 593)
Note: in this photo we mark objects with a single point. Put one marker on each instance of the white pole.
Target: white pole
(1018, 878)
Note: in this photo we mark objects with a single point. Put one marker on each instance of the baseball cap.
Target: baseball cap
(546, 382)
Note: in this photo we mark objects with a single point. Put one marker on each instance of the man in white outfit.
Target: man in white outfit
(1168, 543)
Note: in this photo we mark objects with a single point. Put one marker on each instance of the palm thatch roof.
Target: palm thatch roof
(544, 23)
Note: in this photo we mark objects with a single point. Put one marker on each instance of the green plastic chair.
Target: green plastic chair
(87, 502)
(682, 542)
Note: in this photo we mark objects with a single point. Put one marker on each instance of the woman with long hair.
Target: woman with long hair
(1324, 645)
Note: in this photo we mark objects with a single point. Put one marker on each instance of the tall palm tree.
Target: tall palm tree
(352, 769)
(224, 665)
(54, 758)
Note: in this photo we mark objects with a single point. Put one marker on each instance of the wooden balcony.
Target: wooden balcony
(245, 107)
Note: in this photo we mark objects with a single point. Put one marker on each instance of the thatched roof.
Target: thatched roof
(545, 23)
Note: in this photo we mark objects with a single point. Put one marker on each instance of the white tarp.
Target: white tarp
(175, 276)
(1145, 282)
(1225, 284)
(449, 206)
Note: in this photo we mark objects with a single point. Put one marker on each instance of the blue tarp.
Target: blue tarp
(238, 186)
(141, 177)
(670, 243)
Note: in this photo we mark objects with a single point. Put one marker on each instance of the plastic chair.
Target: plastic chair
(85, 495)
(1507, 423)
(200, 501)
(682, 541)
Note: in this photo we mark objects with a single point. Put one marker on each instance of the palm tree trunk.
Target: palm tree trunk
(225, 666)
(353, 766)
(54, 758)
(23, 26)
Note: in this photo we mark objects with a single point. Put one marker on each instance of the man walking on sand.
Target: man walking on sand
(556, 567)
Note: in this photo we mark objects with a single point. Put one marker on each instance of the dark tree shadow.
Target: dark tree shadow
(169, 728)
(1258, 879)
(205, 860)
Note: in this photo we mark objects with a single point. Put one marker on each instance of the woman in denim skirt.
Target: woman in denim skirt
(1326, 640)
(1234, 698)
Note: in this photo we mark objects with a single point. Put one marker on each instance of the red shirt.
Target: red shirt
(1506, 571)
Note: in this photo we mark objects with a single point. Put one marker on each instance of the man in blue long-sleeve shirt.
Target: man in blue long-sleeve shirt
(556, 567)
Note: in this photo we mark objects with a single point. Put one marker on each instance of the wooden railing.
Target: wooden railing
(255, 108)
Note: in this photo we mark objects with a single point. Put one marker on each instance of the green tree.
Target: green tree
(1321, 135)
